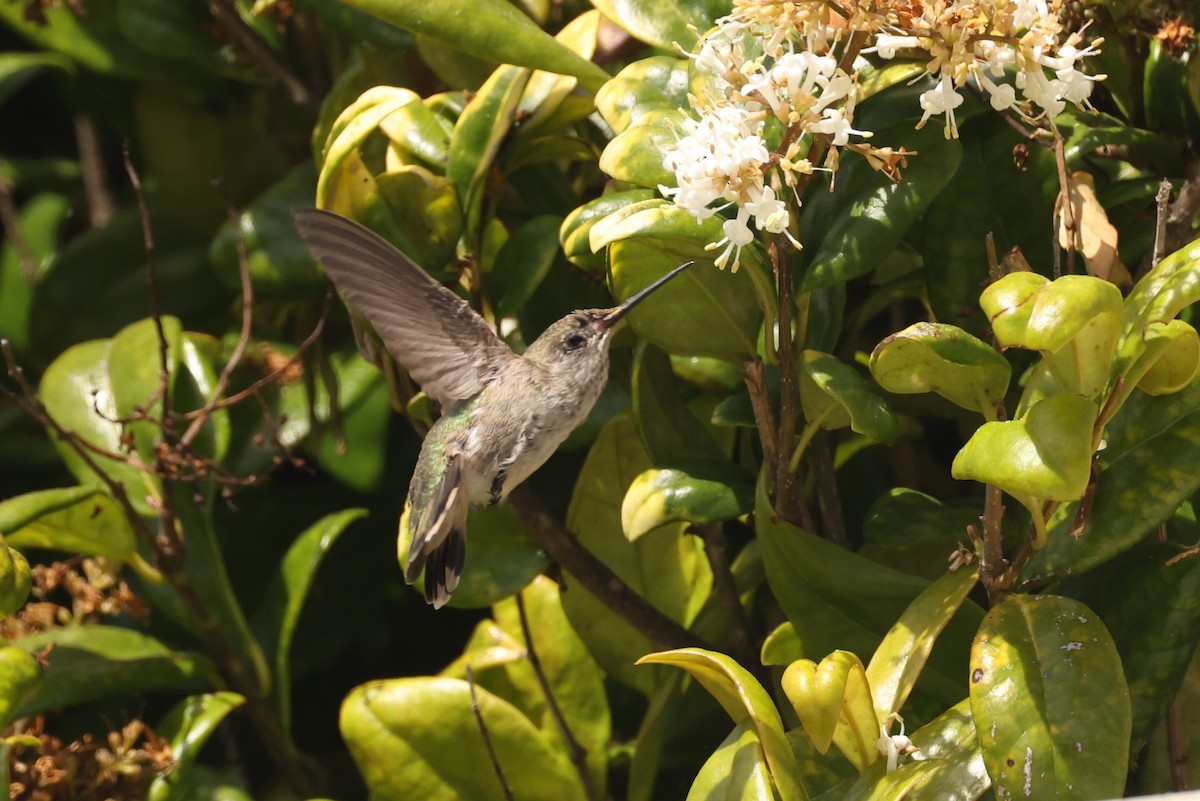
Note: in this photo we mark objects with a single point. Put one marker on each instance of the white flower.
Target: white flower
(887, 44)
(836, 124)
(942, 99)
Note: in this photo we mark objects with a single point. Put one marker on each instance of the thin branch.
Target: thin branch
(991, 563)
(1067, 207)
(1161, 199)
(596, 577)
(829, 501)
(10, 221)
(243, 342)
(100, 203)
(785, 480)
(727, 595)
(764, 415)
(575, 750)
(487, 738)
(260, 51)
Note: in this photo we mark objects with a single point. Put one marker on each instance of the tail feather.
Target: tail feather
(443, 569)
(439, 543)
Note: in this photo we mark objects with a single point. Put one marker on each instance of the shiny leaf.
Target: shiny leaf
(417, 737)
(667, 569)
(900, 658)
(736, 771)
(481, 128)
(187, 728)
(941, 358)
(696, 492)
(522, 263)
(835, 395)
(654, 83)
(1049, 699)
(833, 701)
(1046, 454)
(80, 520)
(275, 622)
(744, 700)
(491, 30)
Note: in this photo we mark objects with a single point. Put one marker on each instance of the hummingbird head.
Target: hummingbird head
(581, 338)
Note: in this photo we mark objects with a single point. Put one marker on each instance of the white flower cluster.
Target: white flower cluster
(723, 156)
(775, 59)
(984, 38)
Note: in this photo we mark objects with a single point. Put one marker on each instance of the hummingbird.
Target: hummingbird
(503, 415)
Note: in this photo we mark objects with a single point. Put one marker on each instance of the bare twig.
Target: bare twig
(764, 415)
(991, 563)
(487, 738)
(1183, 211)
(10, 221)
(1067, 208)
(785, 480)
(101, 206)
(727, 595)
(577, 753)
(829, 501)
(257, 48)
(596, 577)
(1161, 199)
(239, 350)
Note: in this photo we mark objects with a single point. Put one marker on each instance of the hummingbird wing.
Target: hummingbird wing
(446, 347)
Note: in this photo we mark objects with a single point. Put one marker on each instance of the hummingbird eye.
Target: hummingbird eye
(574, 342)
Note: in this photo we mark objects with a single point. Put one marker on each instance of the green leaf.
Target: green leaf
(866, 216)
(491, 30)
(80, 520)
(178, 32)
(1171, 360)
(575, 680)
(417, 738)
(1046, 454)
(522, 263)
(668, 428)
(695, 492)
(503, 558)
(1170, 286)
(95, 662)
(187, 728)
(1155, 621)
(835, 395)
(90, 386)
(134, 367)
(836, 599)
(744, 700)
(542, 102)
(1074, 321)
(667, 569)
(358, 457)
(648, 84)
(904, 517)
(17, 68)
(833, 702)
(481, 128)
(577, 227)
(278, 262)
(1050, 702)
(275, 621)
(1168, 104)
(420, 134)
(1138, 490)
(712, 312)
(20, 675)
(736, 771)
(40, 221)
(900, 658)
(942, 358)
(358, 121)
(636, 154)
(661, 23)
(950, 763)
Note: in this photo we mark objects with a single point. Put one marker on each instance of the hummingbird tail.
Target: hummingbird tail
(440, 548)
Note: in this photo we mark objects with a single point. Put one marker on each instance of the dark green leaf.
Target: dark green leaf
(80, 520)
(867, 215)
(275, 621)
(522, 263)
(187, 728)
(668, 429)
(89, 663)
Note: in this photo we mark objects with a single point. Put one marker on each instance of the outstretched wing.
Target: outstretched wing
(446, 347)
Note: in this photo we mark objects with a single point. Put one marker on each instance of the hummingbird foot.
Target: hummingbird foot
(496, 492)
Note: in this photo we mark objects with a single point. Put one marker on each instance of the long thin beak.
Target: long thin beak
(613, 317)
